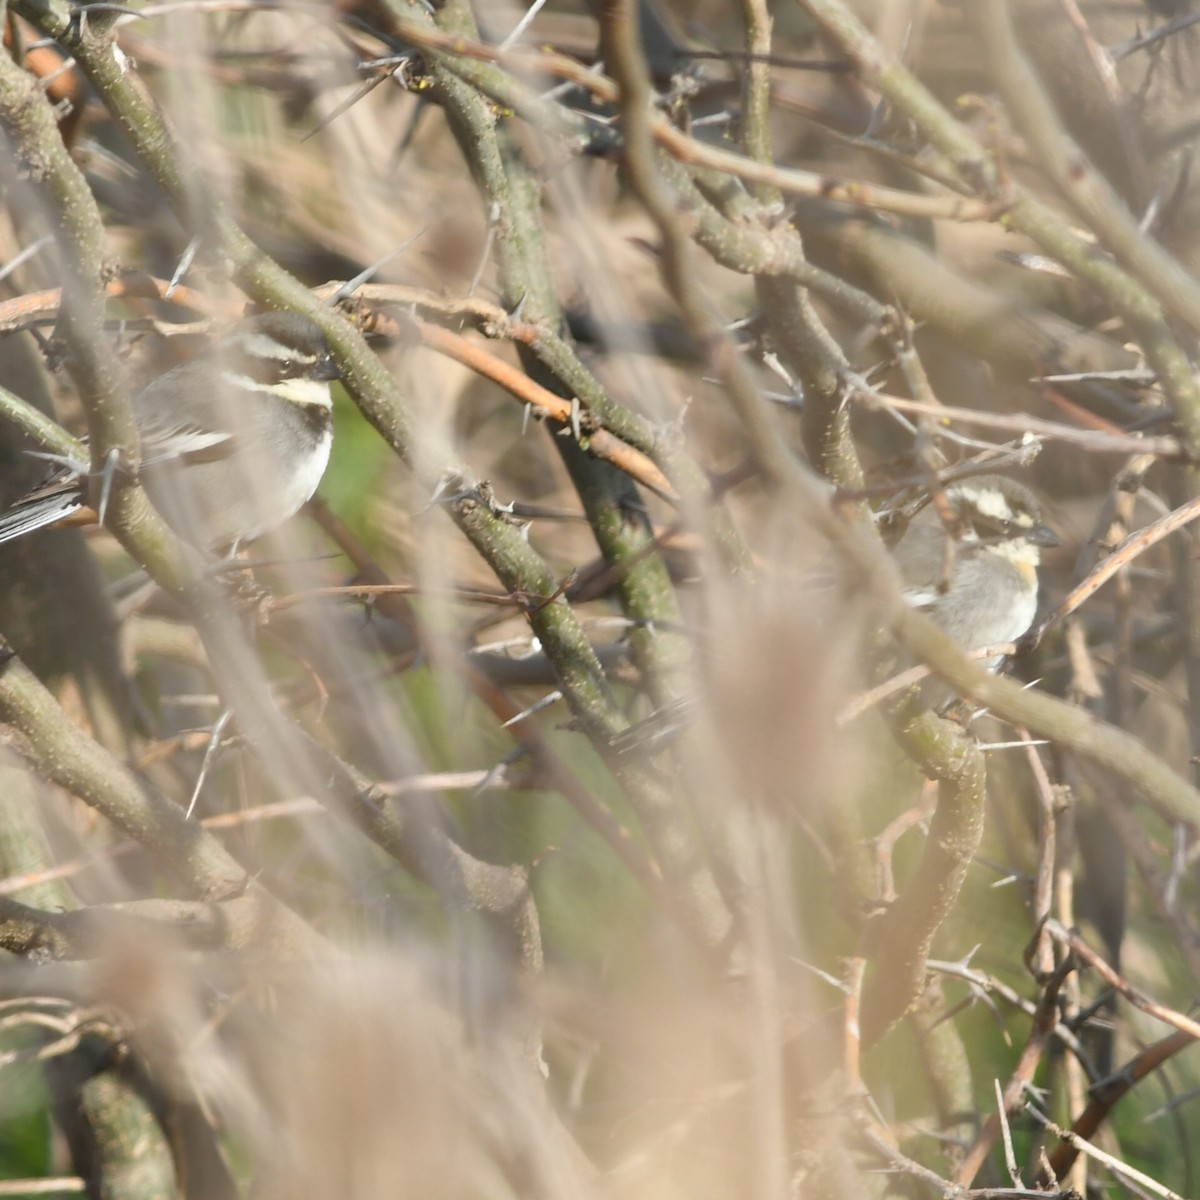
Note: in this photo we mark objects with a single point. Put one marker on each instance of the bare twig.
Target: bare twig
(1139, 999)
(1093, 440)
(1135, 544)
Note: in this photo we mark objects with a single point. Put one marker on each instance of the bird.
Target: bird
(972, 565)
(232, 442)
(974, 573)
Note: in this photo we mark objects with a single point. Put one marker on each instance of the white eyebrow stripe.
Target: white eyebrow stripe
(991, 503)
(260, 345)
(312, 392)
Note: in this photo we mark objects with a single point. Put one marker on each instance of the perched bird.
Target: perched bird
(232, 442)
(976, 576)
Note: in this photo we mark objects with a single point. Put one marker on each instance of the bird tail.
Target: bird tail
(40, 510)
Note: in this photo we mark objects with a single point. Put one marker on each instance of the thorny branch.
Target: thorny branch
(714, 333)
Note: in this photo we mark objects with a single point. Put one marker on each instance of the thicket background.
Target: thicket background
(354, 882)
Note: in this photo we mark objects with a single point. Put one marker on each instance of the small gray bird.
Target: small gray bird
(979, 585)
(979, 581)
(233, 442)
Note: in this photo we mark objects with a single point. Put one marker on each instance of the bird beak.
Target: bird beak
(326, 369)
(1043, 535)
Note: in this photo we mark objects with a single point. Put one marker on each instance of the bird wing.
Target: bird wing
(921, 598)
(58, 496)
(204, 435)
(187, 442)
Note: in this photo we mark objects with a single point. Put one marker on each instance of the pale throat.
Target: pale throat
(1023, 555)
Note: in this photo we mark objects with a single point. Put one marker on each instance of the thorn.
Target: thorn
(486, 254)
(185, 262)
(536, 707)
(365, 276)
(214, 742)
(363, 89)
(522, 25)
(106, 481)
(75, 465)
(25, 255)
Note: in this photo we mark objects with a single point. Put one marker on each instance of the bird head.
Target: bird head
(998, 512)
